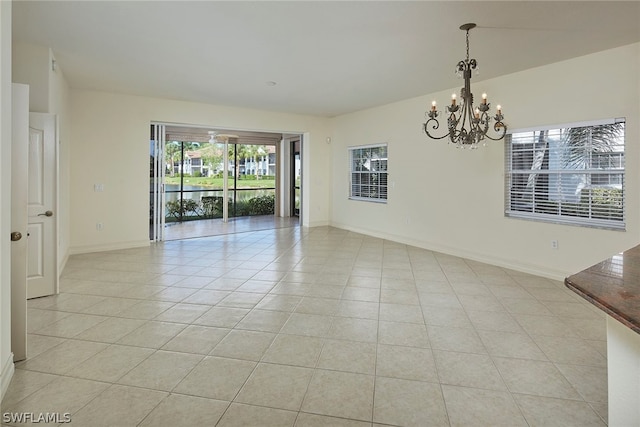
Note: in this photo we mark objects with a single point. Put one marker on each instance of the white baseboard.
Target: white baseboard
(8, 368)
(63, 262)
(319, 224)
(85, 249)
(474, 256)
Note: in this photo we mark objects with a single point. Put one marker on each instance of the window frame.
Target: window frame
(584, 215)
(383, 193)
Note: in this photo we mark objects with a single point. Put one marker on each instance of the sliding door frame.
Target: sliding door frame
(158, 204)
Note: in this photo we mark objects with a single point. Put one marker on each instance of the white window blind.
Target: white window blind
(570, 174)
(368, 167)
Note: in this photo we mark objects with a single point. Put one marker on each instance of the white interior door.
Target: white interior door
(42, 275)
(19, 177)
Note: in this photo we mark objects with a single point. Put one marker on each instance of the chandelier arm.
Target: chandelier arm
(435, 126)
(484, 120)
(501, 135)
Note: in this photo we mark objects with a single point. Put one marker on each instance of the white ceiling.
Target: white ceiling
(327, 57)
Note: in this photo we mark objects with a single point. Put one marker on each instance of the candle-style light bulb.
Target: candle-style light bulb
(433, 106)
(453, 99)
(477, 113)
(484, 98)
(499, 109)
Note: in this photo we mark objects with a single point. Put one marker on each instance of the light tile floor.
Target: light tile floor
(216, 227)
(309, 327)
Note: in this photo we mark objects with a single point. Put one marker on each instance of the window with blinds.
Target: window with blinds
(368, 173)
(571, 174)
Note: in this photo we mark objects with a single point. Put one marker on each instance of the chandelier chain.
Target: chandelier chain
(467, 45)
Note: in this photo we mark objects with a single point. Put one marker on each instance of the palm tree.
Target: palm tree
(255, 153)
(171, 149)
(576, 148)
(244, 153)
(582, 142)
(211, 156)
(597, 147)
(260, 151)
(540, 154)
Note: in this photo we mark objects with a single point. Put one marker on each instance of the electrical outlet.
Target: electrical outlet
(98, 188)
(99, 226)
(554, 244)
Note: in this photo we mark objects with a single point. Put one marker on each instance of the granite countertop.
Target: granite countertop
(613, 285)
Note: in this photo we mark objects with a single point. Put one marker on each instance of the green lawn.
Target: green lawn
(215, 183)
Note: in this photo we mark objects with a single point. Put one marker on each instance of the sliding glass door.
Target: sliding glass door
(197, 174)
(296, 177)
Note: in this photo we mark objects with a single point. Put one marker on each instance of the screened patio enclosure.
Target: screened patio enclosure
(204, 174)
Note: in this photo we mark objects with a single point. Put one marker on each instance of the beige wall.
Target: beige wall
(31, 66)
(6, 357)
(110, 146)
(452, 200)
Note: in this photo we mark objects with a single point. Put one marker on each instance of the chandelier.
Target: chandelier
(467, 126)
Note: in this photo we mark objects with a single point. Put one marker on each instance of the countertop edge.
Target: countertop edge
(602, 306)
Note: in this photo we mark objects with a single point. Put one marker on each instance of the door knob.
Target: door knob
(47, 213)
(15, 236)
